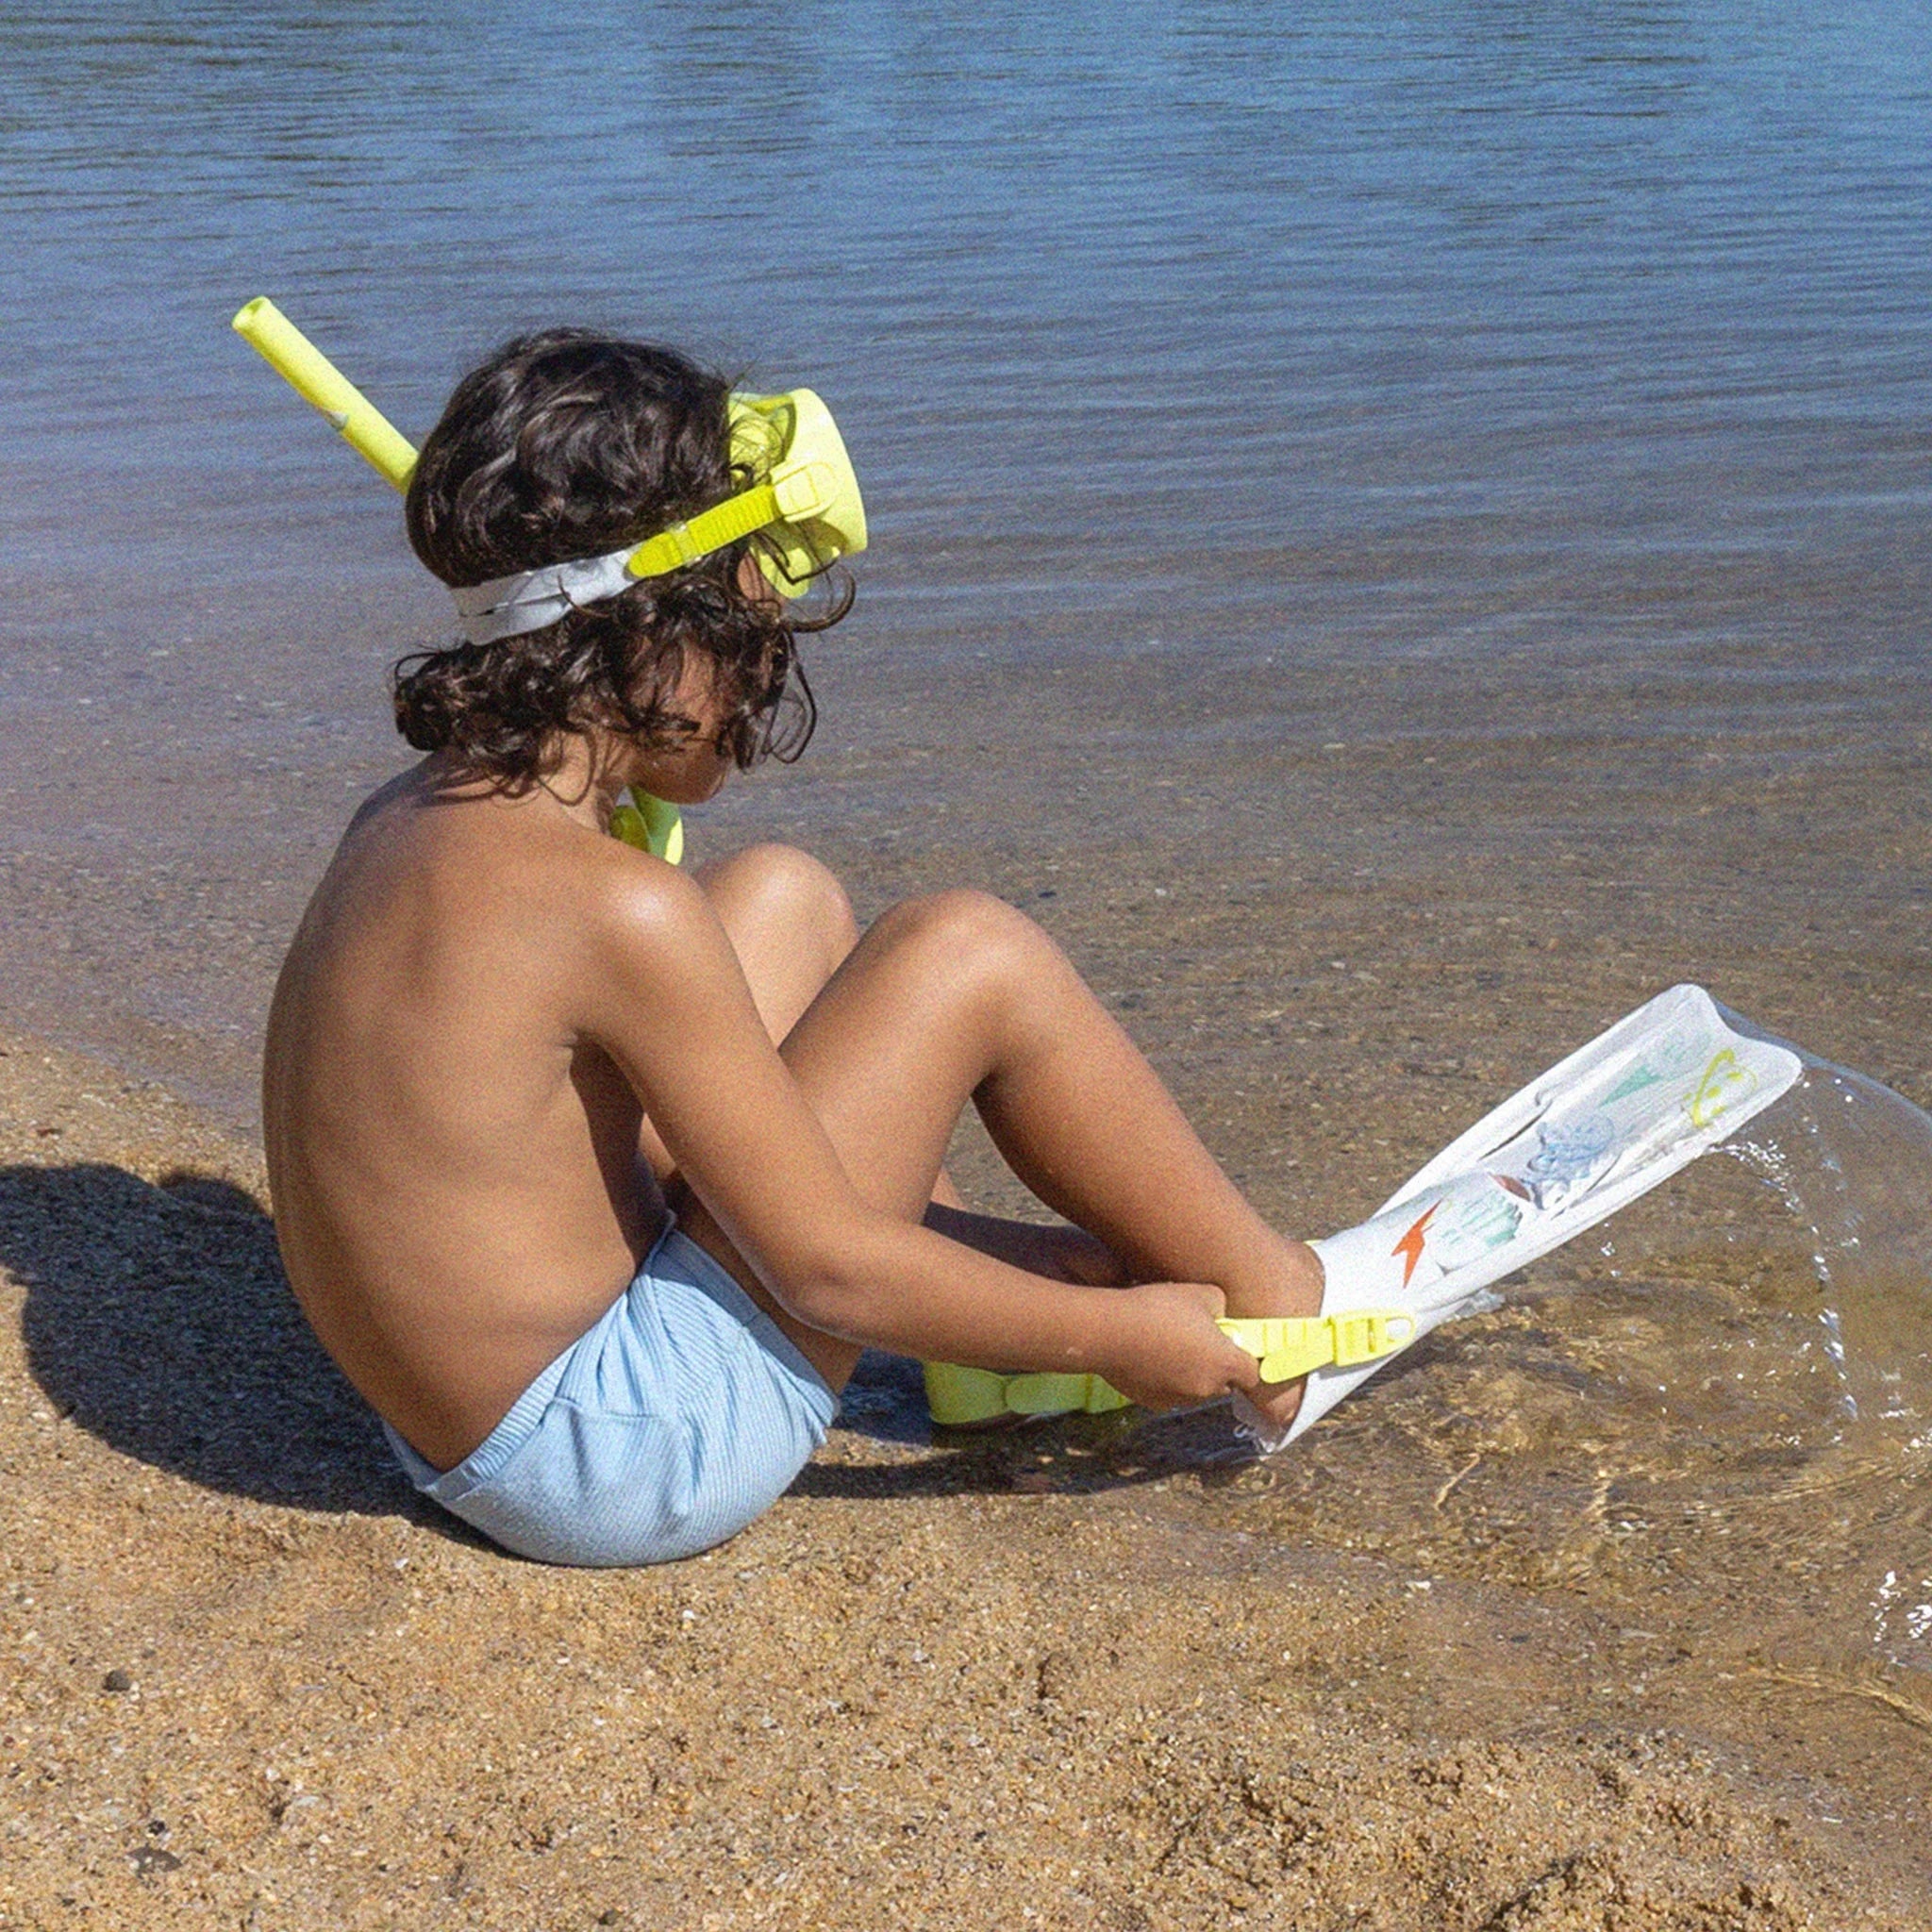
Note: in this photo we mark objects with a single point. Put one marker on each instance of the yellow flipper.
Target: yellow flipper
(959, 1396)
(1286, 1347)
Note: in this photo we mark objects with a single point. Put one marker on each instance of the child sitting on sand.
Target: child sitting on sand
(595, 1174)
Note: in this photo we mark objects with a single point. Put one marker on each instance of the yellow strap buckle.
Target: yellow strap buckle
(803, 490)
(1291, 1345)
(679, 543)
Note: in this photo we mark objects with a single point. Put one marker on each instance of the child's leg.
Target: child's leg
(959, 997)
(792, 925)
(789, 923)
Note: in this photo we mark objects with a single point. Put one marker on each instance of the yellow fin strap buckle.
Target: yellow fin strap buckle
(1291, 1345)
(957, 1395)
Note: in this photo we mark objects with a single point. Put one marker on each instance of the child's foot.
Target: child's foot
(1300, 1292)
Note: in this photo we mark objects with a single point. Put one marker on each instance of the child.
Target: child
(594, 1175)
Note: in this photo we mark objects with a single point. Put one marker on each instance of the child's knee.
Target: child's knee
(795, 887)
(968, 933)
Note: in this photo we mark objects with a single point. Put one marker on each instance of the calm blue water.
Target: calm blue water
(1507, 338)
(1117, 301)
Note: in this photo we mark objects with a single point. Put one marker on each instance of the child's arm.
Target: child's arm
(909, 1030)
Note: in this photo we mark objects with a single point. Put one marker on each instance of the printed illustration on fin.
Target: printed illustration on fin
(1725, 1085)
(1569, 1152)
(1634, 1081)
(1411, 1246)
(1485, 1212)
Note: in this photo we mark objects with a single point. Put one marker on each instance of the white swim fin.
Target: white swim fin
(1620, 1115)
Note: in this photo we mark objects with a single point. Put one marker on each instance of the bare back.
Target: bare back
(457, 1189)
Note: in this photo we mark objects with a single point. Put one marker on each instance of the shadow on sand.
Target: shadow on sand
(159, 1320)
(1065, 1455)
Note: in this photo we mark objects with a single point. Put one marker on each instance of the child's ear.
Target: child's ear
(755, 585)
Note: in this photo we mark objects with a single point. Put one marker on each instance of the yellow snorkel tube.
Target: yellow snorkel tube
(807, 499)
(317, 380)
(804, 505)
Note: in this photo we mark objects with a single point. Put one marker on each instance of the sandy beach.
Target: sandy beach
(1083, 1675)
(1397, 535)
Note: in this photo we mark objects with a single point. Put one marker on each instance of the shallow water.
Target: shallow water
(1370, 373)
(1715, 1420)
(1709, 1421)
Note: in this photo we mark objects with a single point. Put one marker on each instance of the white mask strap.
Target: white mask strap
(530, 599)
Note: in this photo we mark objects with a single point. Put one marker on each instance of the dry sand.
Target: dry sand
(251, 1681)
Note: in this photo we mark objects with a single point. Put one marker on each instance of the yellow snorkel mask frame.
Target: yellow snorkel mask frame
(805, 502)
(804, 505)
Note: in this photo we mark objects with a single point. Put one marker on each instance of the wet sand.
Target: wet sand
(1086, 1675)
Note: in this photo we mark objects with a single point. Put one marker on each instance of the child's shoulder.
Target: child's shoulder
(491, 919)
(426, 852)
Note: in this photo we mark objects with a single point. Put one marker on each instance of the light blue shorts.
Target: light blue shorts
(684, 1413)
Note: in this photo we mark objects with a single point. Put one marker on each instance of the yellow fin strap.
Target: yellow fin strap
(1291, 1345)
(709, 530)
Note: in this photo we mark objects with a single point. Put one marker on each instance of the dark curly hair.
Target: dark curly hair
(567, 444)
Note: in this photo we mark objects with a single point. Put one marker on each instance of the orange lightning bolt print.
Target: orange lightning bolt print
(1410, 1245)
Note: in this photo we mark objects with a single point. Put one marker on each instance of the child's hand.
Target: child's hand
(1168, 1353)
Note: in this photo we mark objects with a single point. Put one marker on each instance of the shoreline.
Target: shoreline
(1492, 839)
(927, 1689)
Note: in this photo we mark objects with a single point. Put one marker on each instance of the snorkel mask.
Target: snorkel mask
(805, 508)
(803, 504)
